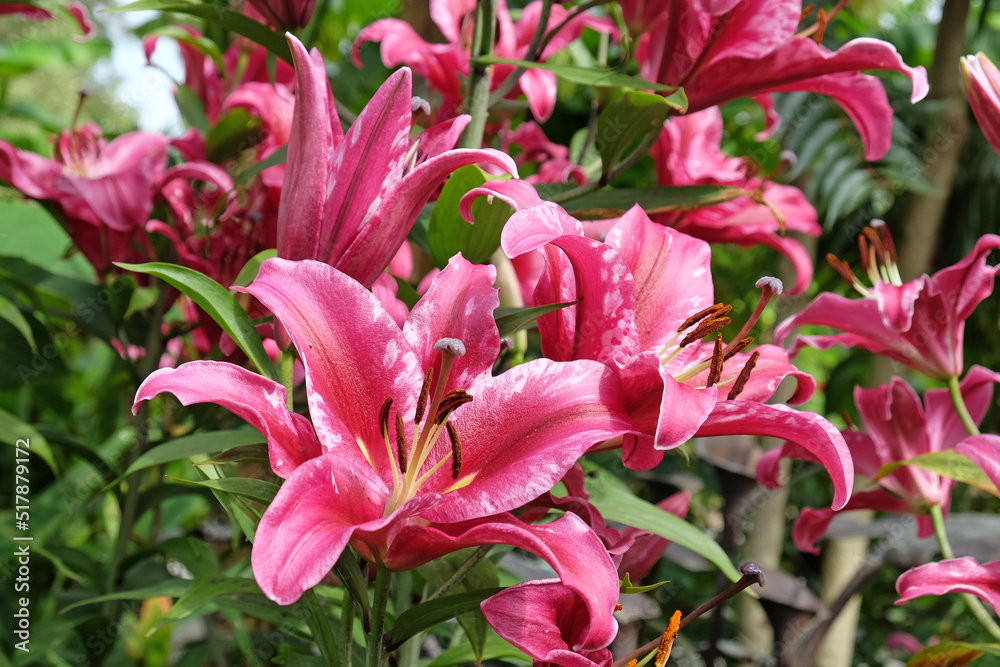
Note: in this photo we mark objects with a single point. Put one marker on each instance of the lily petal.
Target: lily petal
(959, 575)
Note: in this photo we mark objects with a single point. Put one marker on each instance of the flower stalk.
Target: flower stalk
(375, 646)
(479, 75)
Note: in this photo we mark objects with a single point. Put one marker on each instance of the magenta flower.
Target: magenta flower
(898, 428)
(719, 51)
(351, 201)
(283, 14)
(688, 153)
(26, 10)
(959, 575)
(982, 85)
(645, 305)
(919, 323)
(445, 66)
(103, 191)
(422, 451)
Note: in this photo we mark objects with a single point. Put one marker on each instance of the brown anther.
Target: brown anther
(806, 12)
(876, 243)
(744, 376)
(400, 442)
(715, 369)
(842, 267)
(820, 26)
(425, 389)
(383, 417)
(737, 348)
(667, 641)
(632, 662)
(890, 246)
(847, 420)
(702, 314)
(708, 326)
(450, 402)
(618, 606)
(456, 451)
(863, 251)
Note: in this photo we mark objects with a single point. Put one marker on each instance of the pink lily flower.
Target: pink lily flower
(418, 450)
(898, 427)
(445, 66)
(26, 10)
(103, 191)
(958, 575)
(283, 14)
(351, 201)
(719, 51)
(920, 323)
(645, 304)
(982, 85)
(554, 165)
(688, 153)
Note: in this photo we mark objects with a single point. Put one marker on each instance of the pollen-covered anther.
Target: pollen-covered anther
(715, 368)
(456, 450)
(401, 443)
(842, 267)
(450, 402)
(425, 389)
(821, 21)
(711, 311)
(736, 349)
(667, 641)
(618, 606)
(450, 345)
(744, 376)
(705, 328)
(383, 417)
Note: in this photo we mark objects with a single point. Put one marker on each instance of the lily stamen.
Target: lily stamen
(424, 391)
(706, 327)
(456, 450)
(715, 366)
(401, 443)
(878, 259)
(667, 641)
(744, 376)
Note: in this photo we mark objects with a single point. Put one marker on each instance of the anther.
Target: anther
(401, 443)
(383, 417)
(715, 369)
(667, 641)
(450, 402)
(618, 606)
(739, 347)
(702, 314)
(842, 267)
(806, 12)
(425, 389)
(451, 345)
(456, 451)
(744, 376)
(708, 326)
(821, 21)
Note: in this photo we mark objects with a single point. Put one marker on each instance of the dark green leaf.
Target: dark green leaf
(448, 233)
(10, 312)
(13, 431)
(613, 202)
(625, 122)
(203, 592)
(192, 445)
(250, 269)
(495, 648)
(406, 293)
(951, 654)
(170, 588)
(277, 157)
(255, 489)
(220, 305)
(587, 76)
(256, 452)
(427, 614)
(617, 503)
(627, 587)
(510, 320)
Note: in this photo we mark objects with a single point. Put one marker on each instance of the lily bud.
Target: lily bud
(982, 85)
(286, 14)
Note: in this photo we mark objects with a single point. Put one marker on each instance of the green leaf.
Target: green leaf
(627, 121)
(279, 156)
(257, 452)
(255, 489)
(171, 588)
(233, 133)
(192, 445)
(13, 430)
(192, 109)
(625, 585)
(237, 514)
(947, 463)
(196, 555)
(234, 21)
(495, 648)
(250, 269)
(448, 233)
(951, 654)
(427, 614)
(586, 76)
(349, 571)
(510, 320)
(202, 592)
(616, 502)
(10, 312)
(218, 302)
(614, 202)
(406, 293)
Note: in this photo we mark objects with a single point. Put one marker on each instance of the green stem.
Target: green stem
(287, 373)
(460, 573)
(533, 53)
(321, 630)
(347, 616)
(375, 646)
(959, 401)
(478, 86)
(971, 601)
